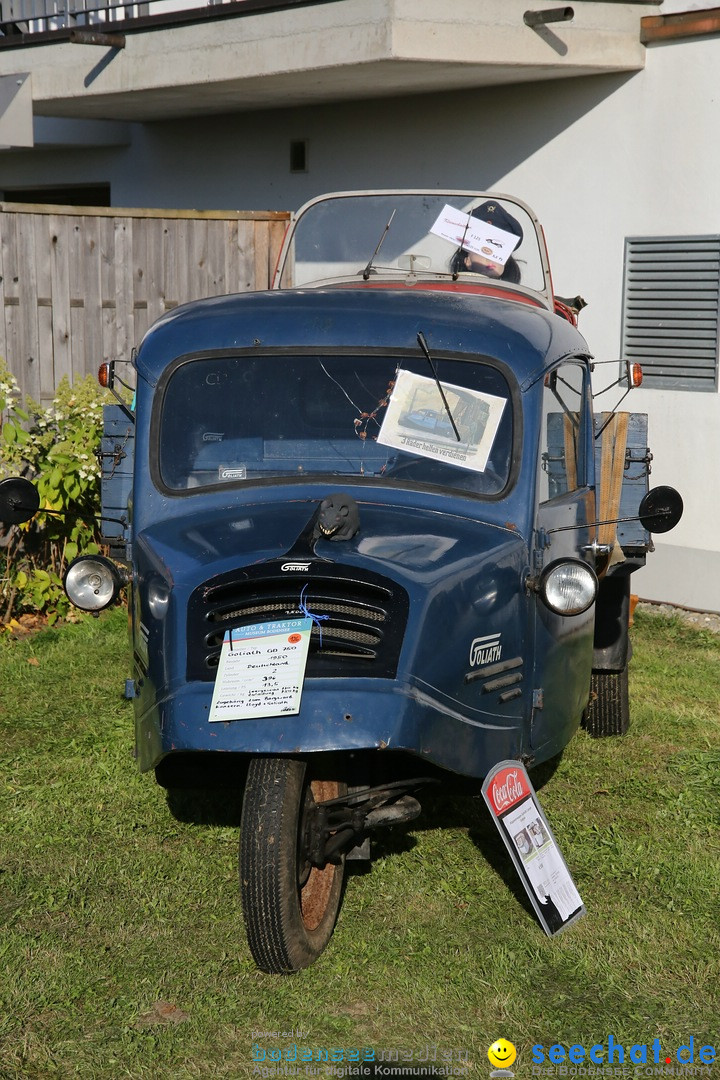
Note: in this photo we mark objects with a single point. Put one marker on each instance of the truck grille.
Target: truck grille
(361, 634)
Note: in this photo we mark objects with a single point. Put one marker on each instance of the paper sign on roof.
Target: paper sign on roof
(464, 230)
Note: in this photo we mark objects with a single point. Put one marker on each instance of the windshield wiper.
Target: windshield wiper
(424, 346)
(462, 245)
(368, 268)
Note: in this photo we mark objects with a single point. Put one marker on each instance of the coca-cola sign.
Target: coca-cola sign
(507, 788)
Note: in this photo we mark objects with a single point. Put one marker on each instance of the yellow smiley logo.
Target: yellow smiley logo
(502, 1054)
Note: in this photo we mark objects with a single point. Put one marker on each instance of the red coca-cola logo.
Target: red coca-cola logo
(507, 788)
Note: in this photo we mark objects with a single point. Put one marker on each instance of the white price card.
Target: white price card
(420, 421)
(516, 811)
(473, 234)
(261, 670)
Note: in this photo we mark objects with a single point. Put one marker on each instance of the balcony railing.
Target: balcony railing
(29, 21)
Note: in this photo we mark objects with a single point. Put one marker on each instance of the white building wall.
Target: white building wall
(649, 165)
(599, 158)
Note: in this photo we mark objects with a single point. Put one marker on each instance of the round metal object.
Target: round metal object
(19, 500)
(92, 582)
(568, 587)
(661, 509)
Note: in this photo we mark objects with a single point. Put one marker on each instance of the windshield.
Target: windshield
(255, 418)
(361, 236)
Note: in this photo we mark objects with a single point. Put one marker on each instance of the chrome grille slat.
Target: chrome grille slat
(328, 631)
(362, 620)
(280, 608)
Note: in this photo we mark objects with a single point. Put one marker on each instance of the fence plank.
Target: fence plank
(11, 302)
(139, 282)
(216, 258)
(124, 311)
(107, 287)
(262, 253)
(155, 231)
(3, 271)
(59, 245)
(89, 286)
(245, 256)
(78, 347)
(27, 359)
(79, 285)
(48, 376)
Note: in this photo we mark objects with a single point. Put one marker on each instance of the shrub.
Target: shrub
(58, 449)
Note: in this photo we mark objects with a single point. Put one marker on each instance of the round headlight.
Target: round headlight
(92, 582)
(568, 587)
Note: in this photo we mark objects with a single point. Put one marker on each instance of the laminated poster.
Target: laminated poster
(261, 670)
(528, 837)
(472, 234)
(418, 421)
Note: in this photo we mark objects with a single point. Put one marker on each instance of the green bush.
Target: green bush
(58, 449)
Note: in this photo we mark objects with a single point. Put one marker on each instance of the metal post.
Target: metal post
(548, 15)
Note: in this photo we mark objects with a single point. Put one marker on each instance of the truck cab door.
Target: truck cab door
(565, 497)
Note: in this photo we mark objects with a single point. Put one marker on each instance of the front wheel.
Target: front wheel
(290, 906)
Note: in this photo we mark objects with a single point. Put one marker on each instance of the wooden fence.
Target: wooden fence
(82, 285)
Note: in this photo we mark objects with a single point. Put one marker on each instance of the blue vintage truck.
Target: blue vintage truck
(376, 535)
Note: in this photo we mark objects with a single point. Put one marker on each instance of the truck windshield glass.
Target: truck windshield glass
(361, 237)
(254, 418)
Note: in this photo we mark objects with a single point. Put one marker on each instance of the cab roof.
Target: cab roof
(477, 324)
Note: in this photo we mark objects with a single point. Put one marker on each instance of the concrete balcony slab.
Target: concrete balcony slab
(332, 51)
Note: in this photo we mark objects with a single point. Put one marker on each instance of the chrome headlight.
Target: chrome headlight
(568, 586)
(92, 582)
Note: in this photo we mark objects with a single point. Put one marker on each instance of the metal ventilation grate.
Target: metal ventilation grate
(671, 310)
(360, 632)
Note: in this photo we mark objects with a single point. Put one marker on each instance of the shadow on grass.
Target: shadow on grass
(221, 806)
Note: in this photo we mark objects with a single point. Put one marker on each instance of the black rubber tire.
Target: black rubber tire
(289, 907)
(608, 711)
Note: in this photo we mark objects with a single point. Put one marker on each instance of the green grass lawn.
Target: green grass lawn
(122, 952)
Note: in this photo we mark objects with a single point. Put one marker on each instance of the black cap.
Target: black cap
(496, 215)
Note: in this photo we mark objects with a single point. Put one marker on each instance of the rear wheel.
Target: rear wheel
(290, 906)
(608, 711)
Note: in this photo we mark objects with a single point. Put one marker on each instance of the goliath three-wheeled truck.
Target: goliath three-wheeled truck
(375, 535)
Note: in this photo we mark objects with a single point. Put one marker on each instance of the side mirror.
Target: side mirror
(631, 378)
(19, 500)
(660, 509)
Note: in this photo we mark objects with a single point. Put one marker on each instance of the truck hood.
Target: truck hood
(398, 540)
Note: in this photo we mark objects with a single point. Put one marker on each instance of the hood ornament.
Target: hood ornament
(338, 518)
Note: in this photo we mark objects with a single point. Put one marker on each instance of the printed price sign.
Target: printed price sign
(418, 420)
(528, 837)
(475, 235)
(261, 671)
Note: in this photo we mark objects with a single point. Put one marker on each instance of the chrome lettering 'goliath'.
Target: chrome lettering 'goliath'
(485, 650)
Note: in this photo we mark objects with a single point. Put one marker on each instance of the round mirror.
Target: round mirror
(19, 500)
(660, 509)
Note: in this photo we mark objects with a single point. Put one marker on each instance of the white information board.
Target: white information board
(418, 421)
(261, 670)
(473, 234)
(516, 811)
